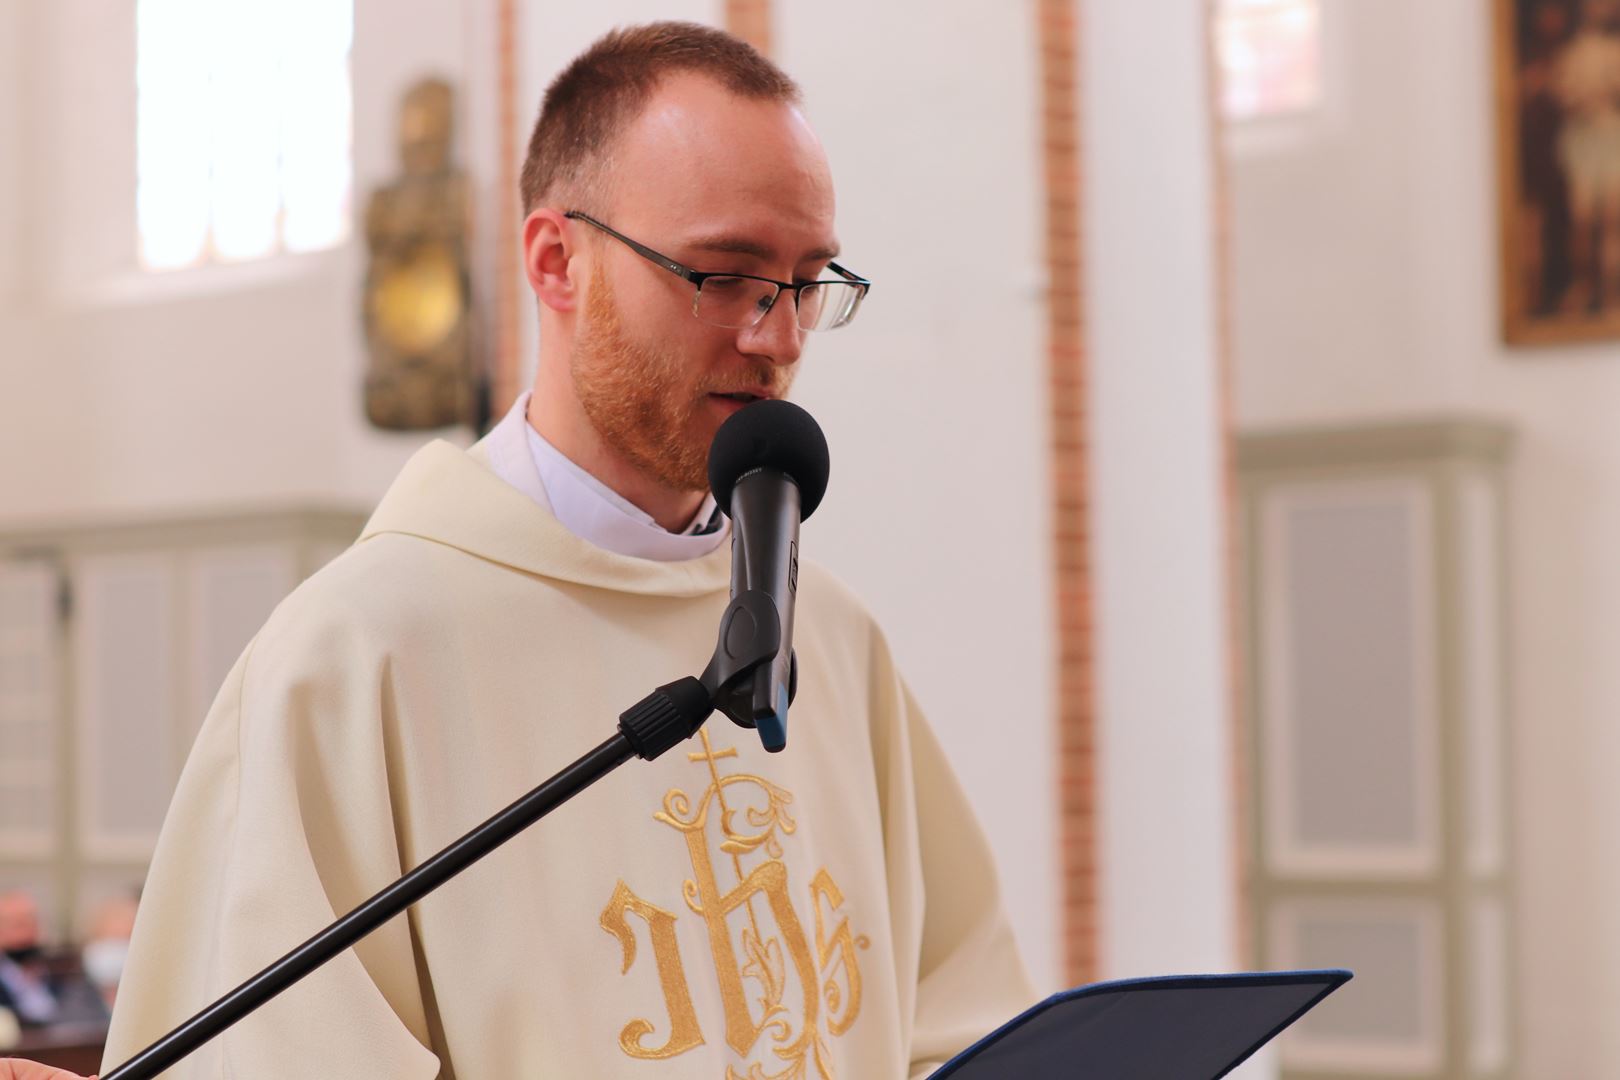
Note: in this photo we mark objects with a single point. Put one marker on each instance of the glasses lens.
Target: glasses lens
(829, 305)
(733, 301)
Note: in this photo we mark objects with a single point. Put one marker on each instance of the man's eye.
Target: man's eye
(723, 284)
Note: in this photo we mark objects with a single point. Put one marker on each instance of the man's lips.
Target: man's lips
(742, 397)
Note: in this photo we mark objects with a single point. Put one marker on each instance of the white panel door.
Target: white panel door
(1391, 1017)
(1351, 721)
(126, 661)
(29, 710)
(232, 591)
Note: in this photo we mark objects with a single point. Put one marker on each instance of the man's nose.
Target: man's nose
(777, 336)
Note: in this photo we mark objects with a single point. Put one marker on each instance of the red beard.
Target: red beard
(646, 403)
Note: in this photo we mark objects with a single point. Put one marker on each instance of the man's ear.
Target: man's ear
(548, 259)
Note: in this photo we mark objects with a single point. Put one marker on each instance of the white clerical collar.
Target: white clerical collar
(587, 507)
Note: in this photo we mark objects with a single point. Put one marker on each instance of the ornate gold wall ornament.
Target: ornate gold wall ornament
(773, 957)
(420, 371)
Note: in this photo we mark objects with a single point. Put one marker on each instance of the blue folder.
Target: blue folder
(1178, 1027)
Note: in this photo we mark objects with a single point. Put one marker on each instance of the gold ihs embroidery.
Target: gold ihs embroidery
(845, 943)
(683, 1025)
(761, 954)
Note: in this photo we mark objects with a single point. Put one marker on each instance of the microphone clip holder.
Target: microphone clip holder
(750, 637)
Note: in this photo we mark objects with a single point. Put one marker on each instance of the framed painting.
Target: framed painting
(1558, 101)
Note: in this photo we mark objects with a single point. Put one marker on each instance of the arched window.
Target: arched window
(243, 128)
(1270, 56)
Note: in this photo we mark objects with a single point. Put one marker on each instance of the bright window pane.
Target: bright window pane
(244, 128)
(1270, 56)
(315, 170)
(172, 151)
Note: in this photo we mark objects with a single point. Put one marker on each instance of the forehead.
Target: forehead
(700, 160)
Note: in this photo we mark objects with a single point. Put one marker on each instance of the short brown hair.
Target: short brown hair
(608, 85)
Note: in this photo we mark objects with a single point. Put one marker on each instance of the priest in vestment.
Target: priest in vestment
(723, 913)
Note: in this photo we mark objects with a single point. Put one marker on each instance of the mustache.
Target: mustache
(762, 380)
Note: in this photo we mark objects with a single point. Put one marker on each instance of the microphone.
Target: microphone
(768, 470)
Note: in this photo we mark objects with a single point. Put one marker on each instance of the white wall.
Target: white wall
(233, 385)
(20, 343)
(1165, 736)
(934, 402)
(1366, 287)
(13, 130)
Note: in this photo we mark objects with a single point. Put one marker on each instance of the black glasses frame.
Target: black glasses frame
(698, 277)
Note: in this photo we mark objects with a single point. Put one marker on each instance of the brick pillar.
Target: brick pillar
(1219, 173)
(507, 365)
(751, 21)
(1076, 715)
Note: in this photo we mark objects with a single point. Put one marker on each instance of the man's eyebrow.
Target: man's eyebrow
(738, 245)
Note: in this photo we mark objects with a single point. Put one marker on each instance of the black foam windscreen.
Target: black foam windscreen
(770, 434)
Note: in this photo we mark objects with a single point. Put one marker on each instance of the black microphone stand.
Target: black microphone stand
(750, 636)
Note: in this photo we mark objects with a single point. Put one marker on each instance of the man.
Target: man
(25, 985)
(28, 994)
(827, 912)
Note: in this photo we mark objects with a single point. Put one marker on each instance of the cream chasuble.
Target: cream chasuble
(719, 914)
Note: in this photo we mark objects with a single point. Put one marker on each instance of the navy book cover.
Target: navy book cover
(1177, 1027)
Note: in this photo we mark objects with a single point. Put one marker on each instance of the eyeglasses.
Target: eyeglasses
(738, 301)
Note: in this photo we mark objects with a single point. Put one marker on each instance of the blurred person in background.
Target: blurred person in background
(26, 985)
(106, 944)
(29, 989)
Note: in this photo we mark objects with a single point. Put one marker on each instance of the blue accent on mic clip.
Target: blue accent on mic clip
(773, 728)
